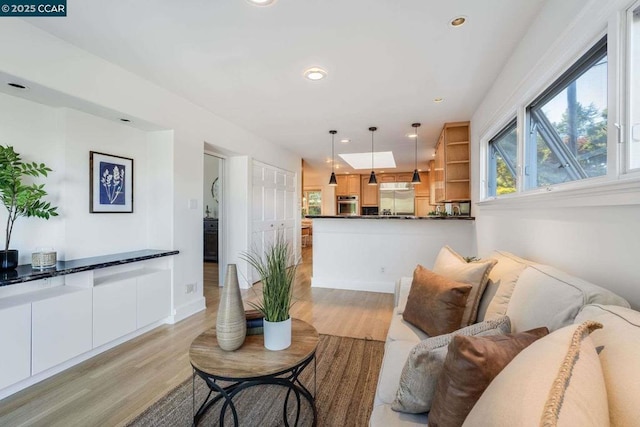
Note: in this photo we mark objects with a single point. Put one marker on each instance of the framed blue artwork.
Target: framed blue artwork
(111, 188)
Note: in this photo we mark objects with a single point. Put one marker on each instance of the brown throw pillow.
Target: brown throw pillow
(471, 364)
(435, 304)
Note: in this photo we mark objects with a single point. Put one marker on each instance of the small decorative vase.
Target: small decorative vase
(8, 259)
(277, 335)
(231, 325)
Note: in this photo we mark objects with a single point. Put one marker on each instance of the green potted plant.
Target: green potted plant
(277, 276)
(19, 198)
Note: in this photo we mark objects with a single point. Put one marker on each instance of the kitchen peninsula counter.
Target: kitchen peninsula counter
(369, 253)
(409, 217)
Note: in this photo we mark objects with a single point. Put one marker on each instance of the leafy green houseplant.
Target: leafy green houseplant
(20, 199)
(277, 277)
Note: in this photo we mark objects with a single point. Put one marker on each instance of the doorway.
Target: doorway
(212, 224)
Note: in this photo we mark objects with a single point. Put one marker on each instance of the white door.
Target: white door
(274, 208)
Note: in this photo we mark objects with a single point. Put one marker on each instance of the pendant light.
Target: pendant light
(333, 181)
(372, 177)
(416, 176)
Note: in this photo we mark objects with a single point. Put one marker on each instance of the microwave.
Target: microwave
(347, 205)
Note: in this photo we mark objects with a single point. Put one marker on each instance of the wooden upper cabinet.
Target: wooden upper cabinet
(386, 177)
(368, 192)
(450, 171)
(422, 189)
(348, 185)
(404, 177)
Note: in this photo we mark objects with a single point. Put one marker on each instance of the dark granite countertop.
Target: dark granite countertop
(25, 273)
(386, 217)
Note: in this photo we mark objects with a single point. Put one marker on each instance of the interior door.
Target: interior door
(274, 209)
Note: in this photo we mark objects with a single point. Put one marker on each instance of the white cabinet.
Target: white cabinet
(61, 328)
(114, 310)
(15, 336)
(154, 297)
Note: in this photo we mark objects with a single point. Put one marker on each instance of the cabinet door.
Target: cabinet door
(422, 189)
(369, 192)
(343, 186)
(154, 297)
(15, 336)
(114, 310)
(422, 206)
(61, 328)
(404, 177)
(387, 177)
(353, 182)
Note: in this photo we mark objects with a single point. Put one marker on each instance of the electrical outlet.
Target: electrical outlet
(190, 288)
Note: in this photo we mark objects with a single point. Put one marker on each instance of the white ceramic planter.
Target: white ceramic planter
(277, 335)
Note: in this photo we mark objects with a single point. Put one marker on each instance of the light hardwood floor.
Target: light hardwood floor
(114, 387)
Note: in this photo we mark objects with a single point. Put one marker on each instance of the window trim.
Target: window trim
(491, 148)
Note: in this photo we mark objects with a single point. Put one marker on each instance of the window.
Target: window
(633, 153)
(312, 202)
(503, 150)
(567, 138)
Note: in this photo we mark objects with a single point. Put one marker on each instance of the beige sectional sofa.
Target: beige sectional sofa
(532, 295)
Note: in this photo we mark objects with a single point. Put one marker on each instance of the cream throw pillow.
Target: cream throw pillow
(424, 364)
(556, 381)
(453, 266)
(500, 285)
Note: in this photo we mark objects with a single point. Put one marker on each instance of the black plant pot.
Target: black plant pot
(8, 259)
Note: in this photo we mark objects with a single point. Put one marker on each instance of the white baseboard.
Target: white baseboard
(354, 285)
(188, 309)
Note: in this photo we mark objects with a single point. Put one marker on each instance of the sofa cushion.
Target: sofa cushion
(399, 329)
(435, 304)
(557, 380)
(620, 342)
(384, 416)
(501, 282)
(546, 296)
(471, 364)
(395, 355)
(452, 265)
(423, 366)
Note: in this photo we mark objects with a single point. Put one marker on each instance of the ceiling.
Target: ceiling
(386, 61)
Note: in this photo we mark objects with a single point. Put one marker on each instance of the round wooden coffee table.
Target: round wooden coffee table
(252, 365)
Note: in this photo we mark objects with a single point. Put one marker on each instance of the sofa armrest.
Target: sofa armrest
(403, 286)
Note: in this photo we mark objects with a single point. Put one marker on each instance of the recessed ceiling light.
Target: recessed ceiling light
(18, 86)
(458, 21)
(345, 141)
(125, 120)
(412, 135)
(315, 73)
(419, 170)
(262, 2)
(433, 155)
(438, 100)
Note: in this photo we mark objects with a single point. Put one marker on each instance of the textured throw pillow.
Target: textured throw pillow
(424, 364)
(435, 303)
(470, 365)
(453, 266)
(556, 381)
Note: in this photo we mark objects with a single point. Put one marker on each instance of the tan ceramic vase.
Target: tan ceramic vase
(231, 325)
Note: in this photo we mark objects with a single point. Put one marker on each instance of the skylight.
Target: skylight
(381, 159)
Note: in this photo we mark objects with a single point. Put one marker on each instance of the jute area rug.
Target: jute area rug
(346, 377)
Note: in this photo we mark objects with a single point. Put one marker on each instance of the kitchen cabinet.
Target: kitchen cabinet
(422, 189)
(452, 173)
(369, 192)
(432, 182)
(423, 207)
(348, 185)
(386, 177)
(404, 177)
(210, 239)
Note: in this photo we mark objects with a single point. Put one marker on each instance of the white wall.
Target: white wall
(597, 243)
(36, 57)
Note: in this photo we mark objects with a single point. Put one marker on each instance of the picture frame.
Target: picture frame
(111, 183)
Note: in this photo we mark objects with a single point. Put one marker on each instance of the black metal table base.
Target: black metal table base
(288, 378)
